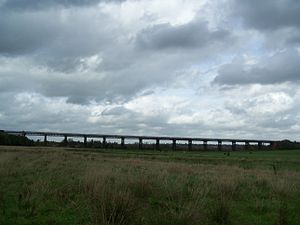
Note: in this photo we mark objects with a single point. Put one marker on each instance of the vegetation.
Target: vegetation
(8, 139)
(40, 185)
(286, 144)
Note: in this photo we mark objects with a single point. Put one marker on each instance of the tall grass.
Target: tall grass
(58, 187)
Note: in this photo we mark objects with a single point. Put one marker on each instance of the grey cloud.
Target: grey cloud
(115, 111)
(123, 72)
(282, 67)
(81, 88)
(22, 5)
(277, 20)
(280, 122)
(35, 112)
(24, 33)
(192, 35)
(283, 38)
(65, 38)
(59, 43)
(77, 89)
(39, 113)
(268, 14)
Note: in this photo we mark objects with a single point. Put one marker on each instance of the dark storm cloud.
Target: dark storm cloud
(191, 35)
(44, 4)
(280, 68)
(268, 14)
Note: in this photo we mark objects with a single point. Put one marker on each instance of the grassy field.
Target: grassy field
(40, 185)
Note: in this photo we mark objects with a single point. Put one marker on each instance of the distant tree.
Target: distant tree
(9, 139)
(287, 144)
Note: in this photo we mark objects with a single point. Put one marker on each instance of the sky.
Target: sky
(199, 68)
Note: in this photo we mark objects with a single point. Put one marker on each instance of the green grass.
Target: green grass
(288, 159)
(40, 185)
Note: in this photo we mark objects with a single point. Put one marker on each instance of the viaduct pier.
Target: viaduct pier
(189, 141)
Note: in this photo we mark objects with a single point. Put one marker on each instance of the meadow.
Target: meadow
(46, 185)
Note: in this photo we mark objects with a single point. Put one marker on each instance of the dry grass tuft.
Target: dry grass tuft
(111, 203)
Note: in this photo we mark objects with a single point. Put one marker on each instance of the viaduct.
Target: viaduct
(204, 141)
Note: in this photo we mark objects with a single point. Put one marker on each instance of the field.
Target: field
(44, 185)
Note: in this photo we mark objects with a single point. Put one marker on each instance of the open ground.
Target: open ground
(46, 185)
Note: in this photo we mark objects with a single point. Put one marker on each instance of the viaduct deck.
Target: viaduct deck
(104, 137)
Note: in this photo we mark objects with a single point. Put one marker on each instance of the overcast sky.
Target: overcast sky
(201, 68)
